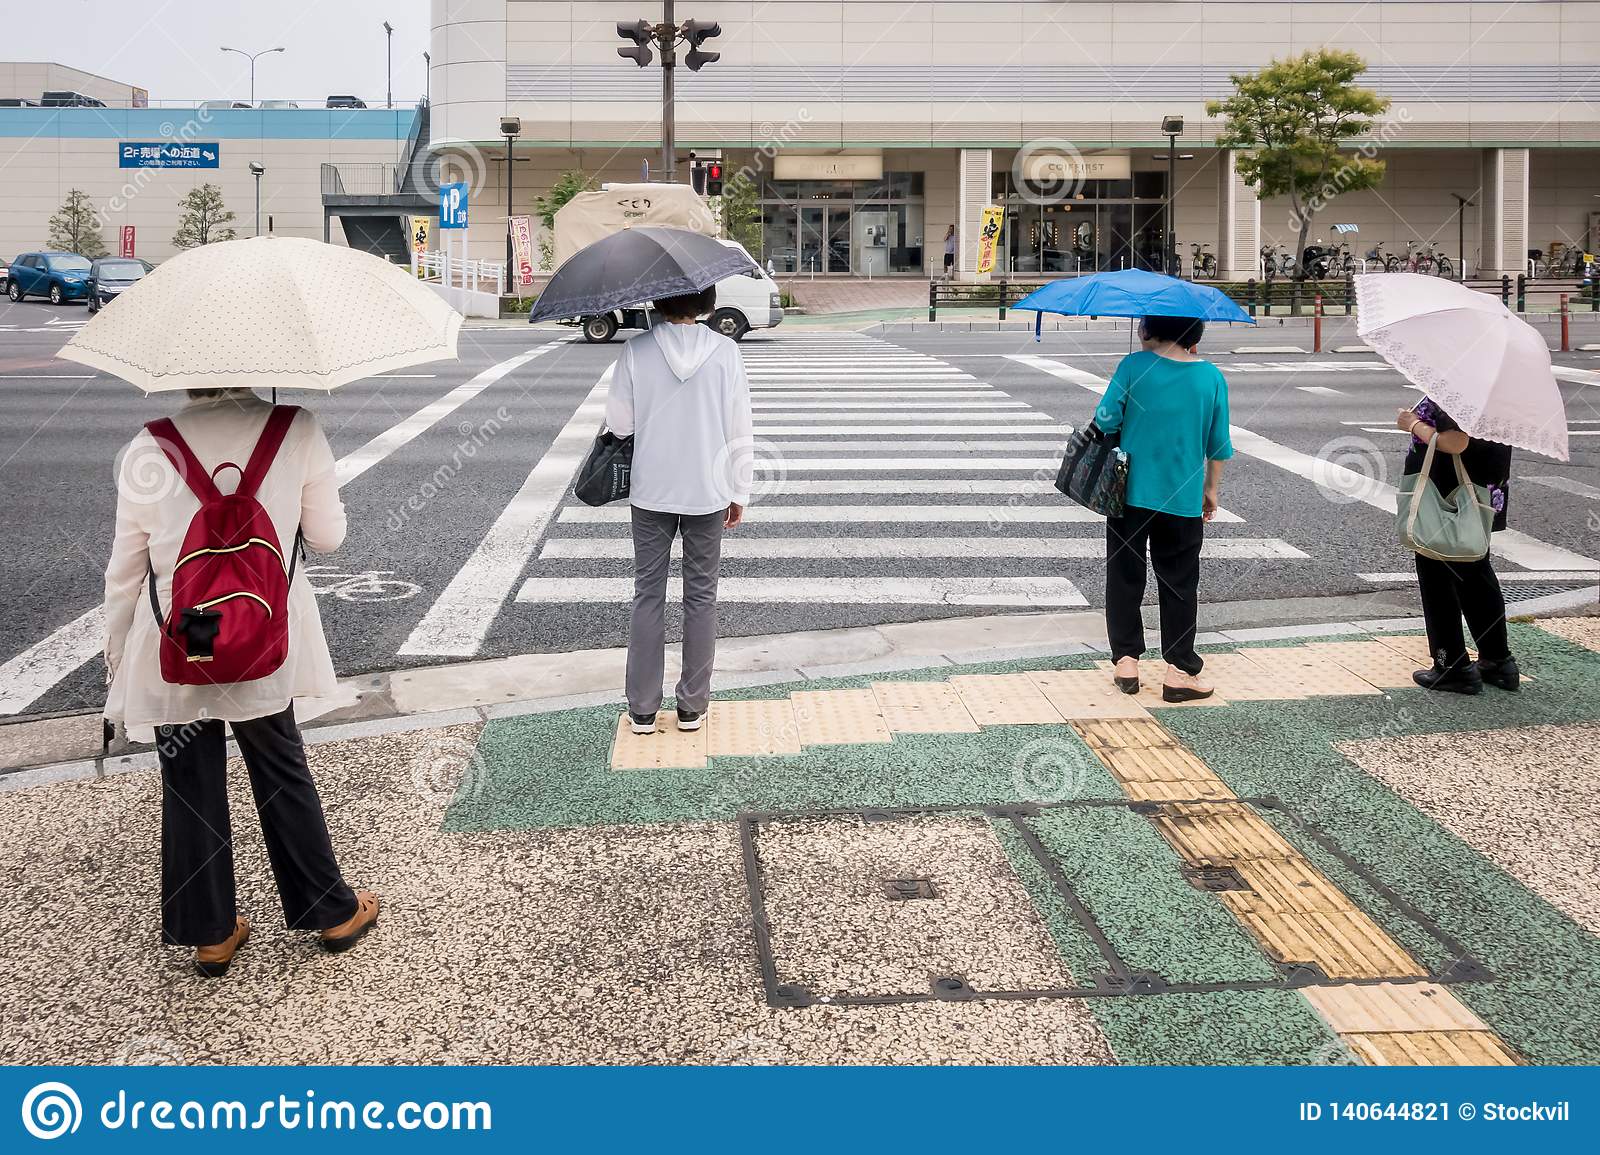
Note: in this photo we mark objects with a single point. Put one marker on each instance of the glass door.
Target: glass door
(812, 227)
(838, 255)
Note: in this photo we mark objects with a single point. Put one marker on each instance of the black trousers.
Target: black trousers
(197, 891)
(1173, 544)
(1452, 590)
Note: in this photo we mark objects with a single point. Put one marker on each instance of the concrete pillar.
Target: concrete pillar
(1238, 222)
(976, 192)
(1503, 217)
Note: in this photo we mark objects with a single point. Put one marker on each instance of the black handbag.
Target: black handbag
(1094, 471)
(605, 474)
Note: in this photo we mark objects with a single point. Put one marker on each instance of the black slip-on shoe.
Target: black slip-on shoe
(642, 723)
(1462, 679)
(689, 720)
(1503, 673)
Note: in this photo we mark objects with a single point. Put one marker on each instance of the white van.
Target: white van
(744, 302)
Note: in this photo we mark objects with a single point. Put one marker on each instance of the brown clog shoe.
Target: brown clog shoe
(338, 939)
(213, 961)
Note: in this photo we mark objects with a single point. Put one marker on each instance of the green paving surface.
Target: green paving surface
(552, 771)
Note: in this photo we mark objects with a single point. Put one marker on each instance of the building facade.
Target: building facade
(871, 128)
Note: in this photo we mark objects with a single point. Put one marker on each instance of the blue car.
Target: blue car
(59, 276)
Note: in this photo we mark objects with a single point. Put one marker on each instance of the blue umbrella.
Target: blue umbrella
(1131, 293)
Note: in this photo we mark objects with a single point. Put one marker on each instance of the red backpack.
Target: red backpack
(230, 587)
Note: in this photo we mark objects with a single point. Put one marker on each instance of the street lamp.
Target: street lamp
(1462, 204)
(427, 78)
(388, 32)
(510, 128)
(251, 57)
(1172, 128)
(256, 169)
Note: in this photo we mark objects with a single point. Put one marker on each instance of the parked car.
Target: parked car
(346, 102)
(111, 275)
(218, 105)
(5, 272)
(60, 276)
(277, 104)
(67, 99)
(17, 102)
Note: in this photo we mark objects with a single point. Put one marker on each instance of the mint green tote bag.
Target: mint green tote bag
(1454, 528)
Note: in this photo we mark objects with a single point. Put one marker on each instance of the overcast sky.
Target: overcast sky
(172, 47)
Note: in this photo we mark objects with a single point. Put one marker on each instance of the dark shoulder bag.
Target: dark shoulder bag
(1094, 471)
(605, 474)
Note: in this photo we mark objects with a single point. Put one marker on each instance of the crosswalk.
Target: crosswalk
(885, 477)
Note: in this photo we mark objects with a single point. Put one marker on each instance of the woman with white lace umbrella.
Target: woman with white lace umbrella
(1489, 386)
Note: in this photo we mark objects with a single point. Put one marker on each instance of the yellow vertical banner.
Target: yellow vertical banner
(420, 228)
(994, 217)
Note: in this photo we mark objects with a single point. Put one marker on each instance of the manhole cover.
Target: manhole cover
(1215, 878)
(907, 889)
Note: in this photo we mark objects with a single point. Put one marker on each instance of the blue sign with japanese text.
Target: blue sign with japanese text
(453, 205)
(168, 154)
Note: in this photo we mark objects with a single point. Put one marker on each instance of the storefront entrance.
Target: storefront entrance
(864, 228)
(1110, 224)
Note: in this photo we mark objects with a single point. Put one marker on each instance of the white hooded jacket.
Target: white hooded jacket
(681, 391)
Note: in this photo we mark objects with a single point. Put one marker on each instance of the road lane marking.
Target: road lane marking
(396, 436)
(32, 673)
(1576, 376)
(1575, 575)
(1348, 485)
(884, 514)
(1321, 391)
(897, 430)
(835, 548)
(888, 444)
(1024, 417)
(456, 623)
(931, 591)
(1566, 485)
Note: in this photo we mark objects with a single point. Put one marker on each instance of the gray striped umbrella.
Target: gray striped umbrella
(634, 267)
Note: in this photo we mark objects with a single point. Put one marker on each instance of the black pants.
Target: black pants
(197, 891)
(1174, 546)
(1453, 589)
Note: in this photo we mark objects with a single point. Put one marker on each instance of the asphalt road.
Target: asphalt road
(464, 541)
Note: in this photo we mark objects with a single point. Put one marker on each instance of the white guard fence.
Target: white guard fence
(473, 288)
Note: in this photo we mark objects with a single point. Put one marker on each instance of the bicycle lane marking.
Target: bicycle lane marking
(458, 620)
(30, 675)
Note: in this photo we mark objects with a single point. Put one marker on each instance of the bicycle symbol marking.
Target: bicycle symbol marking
(373, 585)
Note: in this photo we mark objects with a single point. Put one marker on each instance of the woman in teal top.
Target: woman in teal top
(1170, 407)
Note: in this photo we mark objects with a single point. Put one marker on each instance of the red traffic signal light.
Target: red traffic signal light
(714, 179)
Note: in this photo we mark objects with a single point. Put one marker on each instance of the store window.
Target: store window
(1103, 224)
(868, 228)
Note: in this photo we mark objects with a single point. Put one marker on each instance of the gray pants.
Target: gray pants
(647, 635)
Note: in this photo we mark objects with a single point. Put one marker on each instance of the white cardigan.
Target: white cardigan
(154, 507)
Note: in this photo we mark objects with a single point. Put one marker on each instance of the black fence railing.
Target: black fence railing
(1287, 296)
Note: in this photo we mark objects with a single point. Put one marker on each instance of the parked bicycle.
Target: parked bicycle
(1277, 261)
(1202, 262)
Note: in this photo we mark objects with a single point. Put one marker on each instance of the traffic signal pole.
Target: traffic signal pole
(665, 37)
(669, 92)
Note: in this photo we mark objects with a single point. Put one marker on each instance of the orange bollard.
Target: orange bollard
(1316, 326)
(1566, 336)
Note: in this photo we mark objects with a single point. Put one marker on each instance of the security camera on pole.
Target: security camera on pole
(666, 37)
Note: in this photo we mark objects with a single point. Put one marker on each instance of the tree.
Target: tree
(741, 212)
(568, 185)
(1293, 123)
(203, 218)
(74, 227)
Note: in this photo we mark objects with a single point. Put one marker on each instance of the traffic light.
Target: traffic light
(713, 172)
(641, 33)
(697, 176)
(697, 32)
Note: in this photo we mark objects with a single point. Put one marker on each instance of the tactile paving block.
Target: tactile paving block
(1388, 1007)
(1414, 647)
(1005, 700)
(1220, 835)
(1345, 944)
(1149, 694)
(923, 708)
(1284, 886)
(667, 749)
(1125, 734)
(757, 729)
(839, 717)
(1157, 764)
(1382, 665)
(1321, 675)
(1080, 694)
(1179, 791)
(1432, 1049)
(1238, 679)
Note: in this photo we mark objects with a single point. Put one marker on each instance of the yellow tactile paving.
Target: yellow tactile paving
(923, 708)
(1125, 734)
(839, 717)
(1081, 694)
(1149, 694)
(758, 729)
(1284, 886)
(1432, 1049)
(1221, 835)
(1163, 774)
(1345, 944)
(1183, 791)
(1238, 679)
(1382, 665)
(667, 749)
(1005, 700)
(1413, 646)
(1391, 1007)
(1306, 667)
